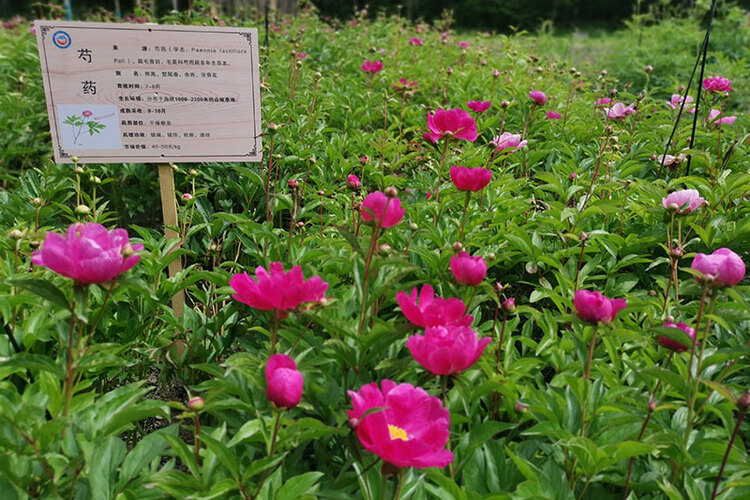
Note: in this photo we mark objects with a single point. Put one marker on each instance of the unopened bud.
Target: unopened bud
(391, 192)
(509, 305)
(193, 172)
(743, 403)
(321, 193)
(16, 234)
(648, 69)
(458, 246)
(495, 73)
(384, 248)
(652, 293)
(293, 183)
(78, 169)
(82, 210)
(449, 70)
(651, 405)
(504, 104)
(498, 287)
(413, 226)
(603, 72)
(74, 159)
(174, 167)
(676, 253)
(300, 224)
(491, 256)
(187, 197)
(324, 301)
(521, 408)
(34, 243)
(37, 201)
(196, 403)
(583, 236)
(127, 250)
(353, 423)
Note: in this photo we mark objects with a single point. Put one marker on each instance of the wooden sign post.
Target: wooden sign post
(151, 94)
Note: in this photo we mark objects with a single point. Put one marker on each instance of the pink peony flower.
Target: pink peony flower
(453, 123)
(468, 270)
(538, 97)
(676, 101)
(88, 253)
(277, 290)
(372, 66)
(619, 111)
(446, 349)
(283, 381)
(684, 201)
(676, 345)
(717, 84)
(87, 114)
(403, 85)
(595, 307)
(713, 118)
(352, 181)
(508, 141)
(723, 267)
(603, 101)
(432, 310)
(553, 115)
(411, 430)
(470, 179)
(386, 211)
(648, 68)
(463, 45)
(478, 106)
(417, 42)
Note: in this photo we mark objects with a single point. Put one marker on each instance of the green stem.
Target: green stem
(463, 221)
(69, 362)
(592, 345)
(366, 278)
(740, 417)
(270, 452)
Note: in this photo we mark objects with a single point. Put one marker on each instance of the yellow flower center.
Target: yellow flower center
(397, 433)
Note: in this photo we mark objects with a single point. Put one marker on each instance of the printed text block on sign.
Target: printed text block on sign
(148, 93)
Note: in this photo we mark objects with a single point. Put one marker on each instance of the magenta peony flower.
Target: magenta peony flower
(463, 45)
(283, 381)
(386, 211)
(410, 431)
(88, 253)
(508, 141)
(713, 118)
(447, 349)
(352, 181)
(416, 41)
(432, 310)
(553, 115)
(717, 84)
(674, 344)
(538, 97)
(470, 179)
(468, 270)
(404, 85)
(603, 101)
(723, 267)
(277, 290)
(676, 101)
(595, 307)
(684, 201)
(372, 66)
(478, 106)
(453, 123)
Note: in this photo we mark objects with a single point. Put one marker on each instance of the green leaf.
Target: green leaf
(43, 288)
(299, 485)
(226, 457)
(103, 467)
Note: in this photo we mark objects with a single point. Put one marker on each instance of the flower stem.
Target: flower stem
(366, 278)
(440, 172)
(69, 364)
(740, 417)
(463, 221)
(270, 452)
(580, 262)
(197, 435)
(696, 382)
(592, 345)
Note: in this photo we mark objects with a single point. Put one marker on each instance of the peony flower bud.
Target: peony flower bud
(196, 403)
(284, 382)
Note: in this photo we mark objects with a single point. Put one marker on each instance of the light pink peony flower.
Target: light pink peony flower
(538, 97)
(411, 430)
(619, 111)
(386, 212)
(717, 84)
(467, 269)
(478, 106)
(723, 267)
(596, 308)
(470, 179)
(684, 201)
(88, 253)
(603, 101)
(675, 345)
(283, 381)
(508, 141)
(713, 118)
(277, 290)
(453, 123)
(676, 101)
(431, 310)
(372, 66)
(447, 349)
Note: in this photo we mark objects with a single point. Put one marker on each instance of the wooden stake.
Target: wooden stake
(169, 213)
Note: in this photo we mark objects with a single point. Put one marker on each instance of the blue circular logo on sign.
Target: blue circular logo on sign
(61, 39)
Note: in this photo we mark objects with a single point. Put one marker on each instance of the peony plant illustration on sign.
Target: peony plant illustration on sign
(83, 123)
